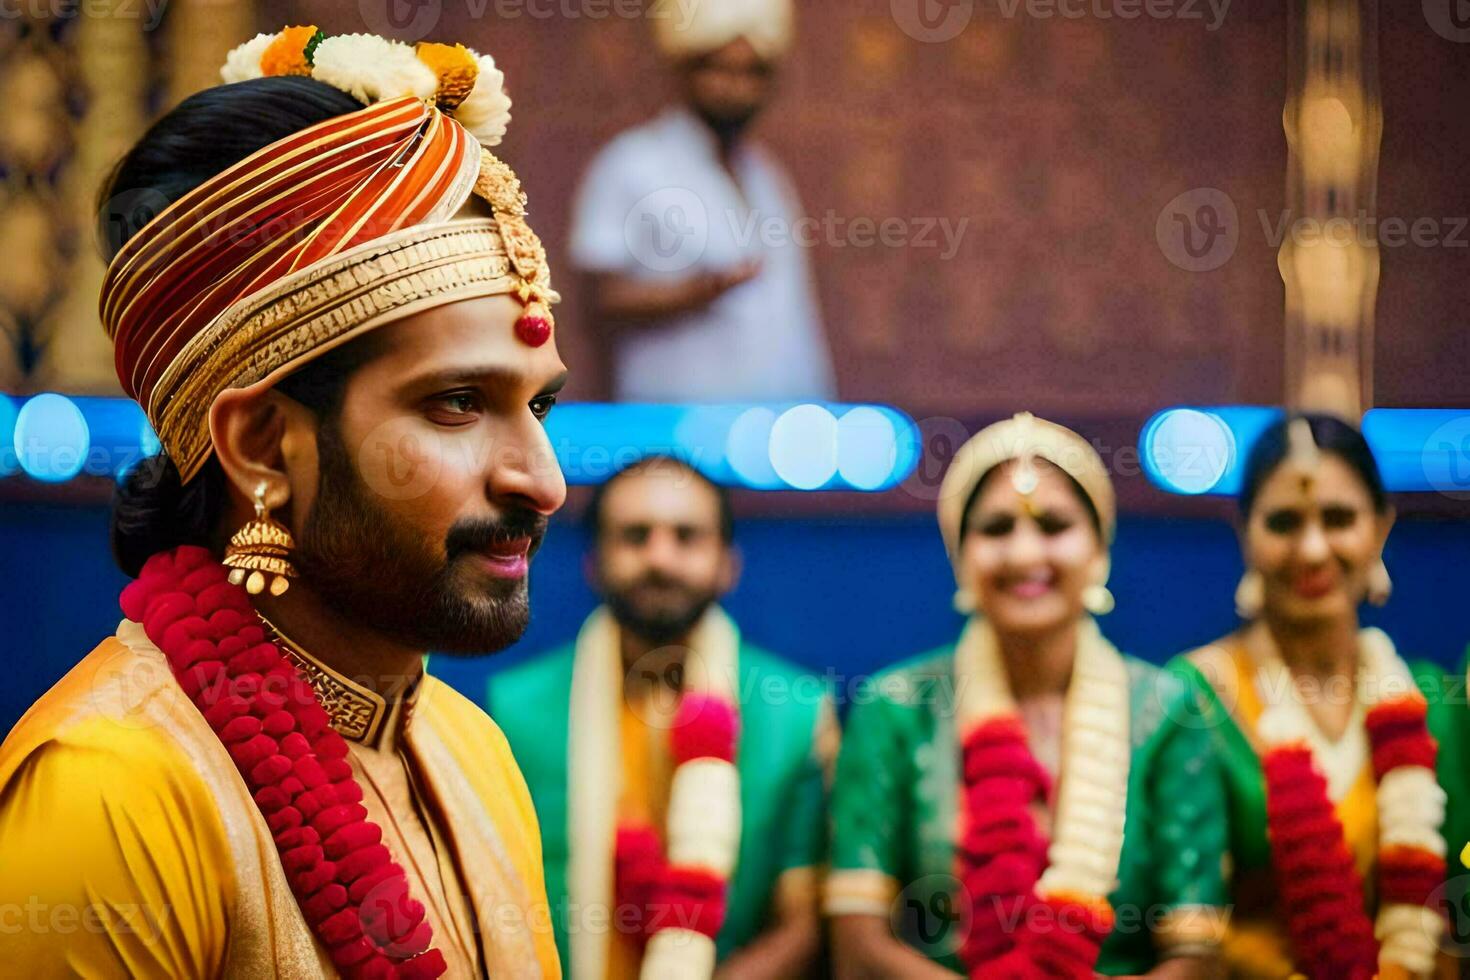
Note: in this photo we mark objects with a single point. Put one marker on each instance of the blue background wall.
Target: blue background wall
(846, 594)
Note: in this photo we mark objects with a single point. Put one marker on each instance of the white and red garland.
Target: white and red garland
(1039, 908)
(1322, 893)
(668, 889)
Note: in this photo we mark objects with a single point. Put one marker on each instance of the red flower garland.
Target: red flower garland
(1331, 933)
(660, 895)
(354, 897)
(1321, 892)
(1013, 932)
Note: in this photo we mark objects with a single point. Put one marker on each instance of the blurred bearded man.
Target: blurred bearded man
(679, 771)
(671, 224)
(348, 359)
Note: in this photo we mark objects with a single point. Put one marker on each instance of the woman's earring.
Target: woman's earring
(261, 548)
(1380, 585)
(1250, 595)
(1097, 600)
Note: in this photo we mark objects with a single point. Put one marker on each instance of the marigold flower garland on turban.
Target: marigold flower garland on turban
(1322, 894)
(334, 230)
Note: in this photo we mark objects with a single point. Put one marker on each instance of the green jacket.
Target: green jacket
(782, 776)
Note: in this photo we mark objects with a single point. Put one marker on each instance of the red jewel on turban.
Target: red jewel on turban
(533, 329)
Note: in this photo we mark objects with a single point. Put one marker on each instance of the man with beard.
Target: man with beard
(679, 771)
(254, 776)
(690, 232)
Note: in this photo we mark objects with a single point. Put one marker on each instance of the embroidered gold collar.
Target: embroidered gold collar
(358, 713)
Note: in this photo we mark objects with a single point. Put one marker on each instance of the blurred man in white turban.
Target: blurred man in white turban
(689, 229)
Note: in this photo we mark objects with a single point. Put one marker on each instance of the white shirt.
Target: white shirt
(656, 203)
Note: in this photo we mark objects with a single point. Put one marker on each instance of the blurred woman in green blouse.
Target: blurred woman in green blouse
(1320, 728)
(1028, 801)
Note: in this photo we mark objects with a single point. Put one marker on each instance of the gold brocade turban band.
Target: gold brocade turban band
(1025, 438)
(339, 228)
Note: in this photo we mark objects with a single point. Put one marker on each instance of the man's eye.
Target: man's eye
(455, 408)
(541, 407)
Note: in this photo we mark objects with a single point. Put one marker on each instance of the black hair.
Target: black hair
(592, 517)
(154, 510)
(1082, 495)
(1332, 435)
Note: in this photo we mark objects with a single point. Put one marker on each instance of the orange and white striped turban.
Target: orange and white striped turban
(318, 237)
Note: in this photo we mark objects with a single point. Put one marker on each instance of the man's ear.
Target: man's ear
(265, 438)
(591, 572)
(734, 566)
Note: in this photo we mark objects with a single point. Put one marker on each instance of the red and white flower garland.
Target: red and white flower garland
(352, 894)
(1056, 892)
(675, 883)
(681, 895)
(1322, 893)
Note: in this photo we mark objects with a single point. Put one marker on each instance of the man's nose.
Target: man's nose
(524, 469)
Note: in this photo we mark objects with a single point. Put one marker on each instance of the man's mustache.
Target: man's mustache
(477, 535)
(657, 580)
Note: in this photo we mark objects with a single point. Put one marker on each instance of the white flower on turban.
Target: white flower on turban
(485, 112)
(371, 68)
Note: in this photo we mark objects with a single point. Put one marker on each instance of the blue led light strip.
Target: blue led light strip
(1193, 450)
(791, 446)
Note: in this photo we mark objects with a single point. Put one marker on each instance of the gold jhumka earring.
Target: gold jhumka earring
(259, 549)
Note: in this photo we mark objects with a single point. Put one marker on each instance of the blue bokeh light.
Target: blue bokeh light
(804, 448)
(867, 448)
(748, 448)
(1423, 449)
(52, 439)
(1191, 450)
(1188, 451)
(766, 447)
(9, 464)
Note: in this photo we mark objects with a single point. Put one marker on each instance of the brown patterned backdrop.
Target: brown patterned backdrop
(1060, 140)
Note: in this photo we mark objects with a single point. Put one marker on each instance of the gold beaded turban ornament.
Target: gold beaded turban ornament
(1027, 439)
(319, 237)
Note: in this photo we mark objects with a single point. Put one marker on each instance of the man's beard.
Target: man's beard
(373, 571)
(659, 625)
(728, 127)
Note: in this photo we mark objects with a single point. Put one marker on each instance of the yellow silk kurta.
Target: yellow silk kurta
(129, 844)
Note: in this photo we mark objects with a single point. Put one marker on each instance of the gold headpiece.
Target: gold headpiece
(1027, 438)
(1303, 453)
